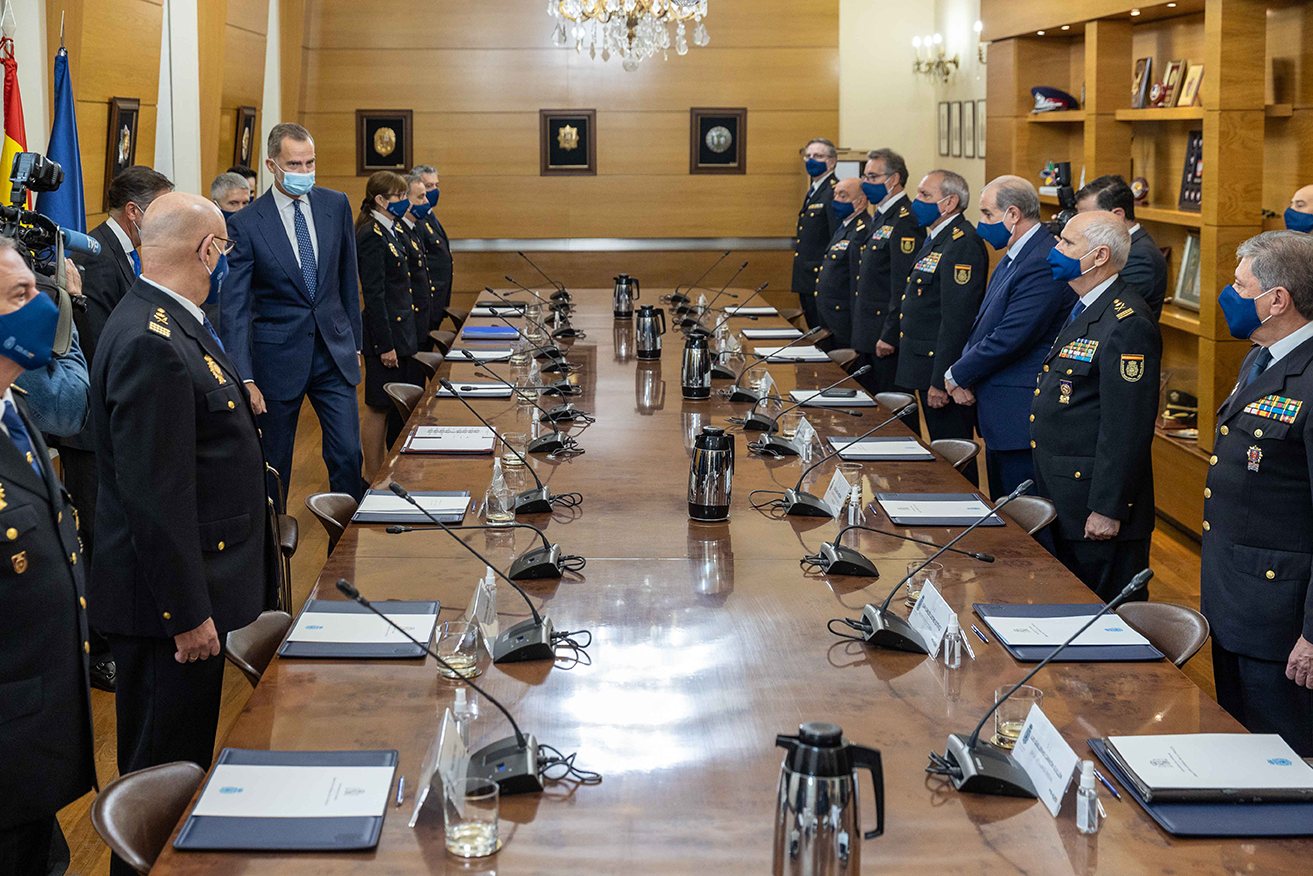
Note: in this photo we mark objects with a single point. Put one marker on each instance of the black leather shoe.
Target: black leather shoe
(103, 673)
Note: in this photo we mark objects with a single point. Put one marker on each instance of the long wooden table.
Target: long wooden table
(708, 639)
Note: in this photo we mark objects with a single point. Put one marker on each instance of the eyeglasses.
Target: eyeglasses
(872, 177)
(222, 244)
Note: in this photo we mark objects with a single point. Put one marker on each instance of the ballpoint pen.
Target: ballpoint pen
(401, 789)
(1107, 784)
(975, 629)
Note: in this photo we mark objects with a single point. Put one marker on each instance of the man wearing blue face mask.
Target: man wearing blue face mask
(1299, 215)
(422, 288)
(437, 248)
(834, 283)
(1093, 411)
(1258, 503)
(816, 223)
(291, 311)
(230, 193)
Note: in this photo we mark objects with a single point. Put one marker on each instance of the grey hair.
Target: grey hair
(1283, 258)
(10, 243)
(225, 183)
(892, 161)
(422, 168)
(954, 184)
(1107, 229)
(831, 151)
(1014, 191)
(281, 131)
(414, 177)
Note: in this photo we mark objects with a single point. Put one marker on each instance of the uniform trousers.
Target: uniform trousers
(33, 848)
(952, 421)
(1007, 470)
(1104, 566)
(1258, 695)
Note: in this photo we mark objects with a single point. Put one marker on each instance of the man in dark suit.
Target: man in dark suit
(291, 311)
(940, 303)
(885, 264)
(106, 279)
(437, 248)
(816, 223)
(1094, 409)
(834, 283)
(1023, 309)
(422, 288)
(45, 701)
(1146, 269)
(1258, 504)
(186, 553)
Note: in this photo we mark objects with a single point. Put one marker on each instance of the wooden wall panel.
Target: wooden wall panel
(243, 81)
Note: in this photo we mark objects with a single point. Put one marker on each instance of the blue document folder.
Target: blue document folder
(223, 833)
(358, 650)
(1074, 654)
(489, 332)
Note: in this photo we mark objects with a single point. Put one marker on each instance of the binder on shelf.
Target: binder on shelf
(383, 506)
(334, 628)
(1073, 654)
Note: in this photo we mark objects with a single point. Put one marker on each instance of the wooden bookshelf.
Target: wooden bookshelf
(1168, 216)
(1159, 114)
(1058, 117)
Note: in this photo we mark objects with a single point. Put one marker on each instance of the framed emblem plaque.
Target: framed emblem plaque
(245, 147)
(121, 150)
(383, 141)
(718, 140)
(567, 142)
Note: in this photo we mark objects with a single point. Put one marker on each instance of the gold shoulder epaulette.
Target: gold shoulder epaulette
(377, 230)
(160, 330)
(958, 234)
(903, 213)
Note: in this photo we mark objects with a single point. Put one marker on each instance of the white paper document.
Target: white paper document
(477, 390)
(1107, 630)
(771, 334)
(452, 439)
(803, 353)
(245, 791)
(754, 310)
(1046, 757)
(1207, 761)
(880, 448)
(930, 617)
(360, 628)
(910, 511)
(490, 354)
(814, 397)
(389, 503)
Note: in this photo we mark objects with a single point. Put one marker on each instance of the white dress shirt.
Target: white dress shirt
(1093, 295)
(287, 214)
(187, 305)
(385, 219)
(1280, 348)
(944, 222)
(1014, 251)
(121, 236)
(816, 183)
(889, 201)
(7, 399)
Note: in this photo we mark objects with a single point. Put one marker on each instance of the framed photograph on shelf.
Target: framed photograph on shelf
(1140, 83)
(121, 150)
(955, 129)
(980, 129)
(1192, 173)
(245, 147)
(717, 140)
(969, 129)
(1187, 277)
(1190, 90)
(1172, 78)
(567, 142)
(943, 127)
(383, 141)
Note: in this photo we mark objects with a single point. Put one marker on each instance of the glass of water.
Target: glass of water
(789, 423)
(458, 644)
(472, 819)
(1010, 717)
(930, 573)
(514, 445)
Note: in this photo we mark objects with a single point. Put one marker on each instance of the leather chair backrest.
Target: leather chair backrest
(252, 647)
(334, 511)
(957, 452)
(135, 814)
(1177, 630)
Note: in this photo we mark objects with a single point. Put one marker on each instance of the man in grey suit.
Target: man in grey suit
(1146, 269)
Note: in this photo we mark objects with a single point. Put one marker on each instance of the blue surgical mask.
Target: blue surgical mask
(995, 234)
(433, 196)
(1064, 267)
(842, 209)
(816, 168)
(27, 335)
(398, 208)
(926, 213)
(419, 211)
(1241, 313)
(297, 184)
(217, 274)
(875, 192)
(227, 214)
(1297, 221)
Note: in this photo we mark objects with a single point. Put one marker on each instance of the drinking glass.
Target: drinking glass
(513, 443)
(472, 819)
(930, 573)
(789, 423)
(1010, 717)
(458, 644)
(520, 354)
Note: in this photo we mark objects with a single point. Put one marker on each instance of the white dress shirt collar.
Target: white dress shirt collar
(1134, 228)
(947, 221)
(187, 305)
(283, 201)
(410, 223)
(1280, 348)
(7, 399)
(121, 236)
(889, 201)
(1014, 251)
(384, 219)
(1093, 295)
(816, 183)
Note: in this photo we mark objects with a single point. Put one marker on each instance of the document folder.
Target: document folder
(889, 500)
(407, 515)
(395, 650)
(1074, 654)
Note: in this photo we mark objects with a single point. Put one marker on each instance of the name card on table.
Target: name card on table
(930, 618)
(483, 611)
(1046, 757)
(836, 493)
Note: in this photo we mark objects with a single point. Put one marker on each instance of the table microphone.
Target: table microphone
(884, 629)
(755, 422)
(700, 329)
(560, 293)
(531, 639)
(738, 393)
(800, 504)
(511, 762)
(836, 559)
(546, 351)
(562, 413)
(549, 444)
(554, 306)
(984, 768)
(689, 321)
(676, 298)
(536, 501)
(546, 562)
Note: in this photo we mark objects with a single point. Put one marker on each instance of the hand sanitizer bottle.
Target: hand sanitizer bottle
(1087, 800)
(465, 710)
(953, 644)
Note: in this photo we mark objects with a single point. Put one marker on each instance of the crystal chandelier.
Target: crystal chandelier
(632, 29)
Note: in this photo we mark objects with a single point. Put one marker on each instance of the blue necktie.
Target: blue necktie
(209, 327)
(1076, 311)
(304, 248)
(136, 262)
(1001, 272)
(18, 433)
(1261, 361)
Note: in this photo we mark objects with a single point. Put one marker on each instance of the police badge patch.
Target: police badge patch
(1132, 367)
(1254, 457)
(962, 274)
(1064, 392)
(907, 244)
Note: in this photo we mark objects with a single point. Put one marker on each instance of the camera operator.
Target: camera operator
(57, 393)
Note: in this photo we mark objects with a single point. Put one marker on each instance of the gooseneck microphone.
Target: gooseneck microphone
(689, 321)
(554, 443)
(755, 422)
(676, 298)
(546, 562)
(836, 559)
(562, 413)
(801, 504)
(560, 287)
(554, 306)
(884, 629)
(700, 329)
(511, 762)
(738, 393)
(983, 768)
(545, 351)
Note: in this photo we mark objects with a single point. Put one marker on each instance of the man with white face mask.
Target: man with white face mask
(1258, 504)
(1092, 418)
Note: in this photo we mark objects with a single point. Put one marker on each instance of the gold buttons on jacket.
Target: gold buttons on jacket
(1270, 574)
(1032, 444)
(231, 405)
(1208, 493)
(1076, 475)
(222, 545)
(1212, 460)
(1258, 433)
(1036, 391)
(1032, 418)
(167, 616)
(1206, 526)
(1224, 430)
(11, 533)
(1068, 370)
(1046, 368)
(82, 601)
(86, 647)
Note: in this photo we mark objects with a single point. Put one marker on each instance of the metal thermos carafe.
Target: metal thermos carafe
(649, 326)
(626, 293)
(817, 827)
(695, 375)
(711, 475)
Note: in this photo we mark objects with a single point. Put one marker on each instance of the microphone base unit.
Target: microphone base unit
(755, 422)
(800, 504)
(536, 564)
(535, 501)
(565, 333)
(836, 559)
(565, 413)
(544, 353)
(527, 640)
(720, 372)
(512, 767)
(558, 387)
(888, 630)
(987, 769)
(546, 443)
(739, 394)
(555, 366)
(774, 445)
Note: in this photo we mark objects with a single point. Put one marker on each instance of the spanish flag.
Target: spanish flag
(15, 135)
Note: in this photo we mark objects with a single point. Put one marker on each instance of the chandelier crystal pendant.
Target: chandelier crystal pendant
(633, 30)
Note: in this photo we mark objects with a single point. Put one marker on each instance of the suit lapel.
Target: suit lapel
(1088, 317)
(1270, 382)
(108, 240)
(323, 210)
(271, 226)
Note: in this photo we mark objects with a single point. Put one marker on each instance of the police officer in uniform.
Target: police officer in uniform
(1146, 267)
(834, 283)
(940, 304)
(1094, 409)
(45, 698)
(885, 264)
(437, 248)
(185, 552)
(1258, 504)
(421, 283)
(816, 223)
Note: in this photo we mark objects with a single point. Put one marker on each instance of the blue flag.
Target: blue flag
(66, 205)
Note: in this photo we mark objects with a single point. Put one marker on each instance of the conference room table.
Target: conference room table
(708, 639)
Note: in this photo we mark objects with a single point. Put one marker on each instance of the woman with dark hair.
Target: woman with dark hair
(390, 333)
